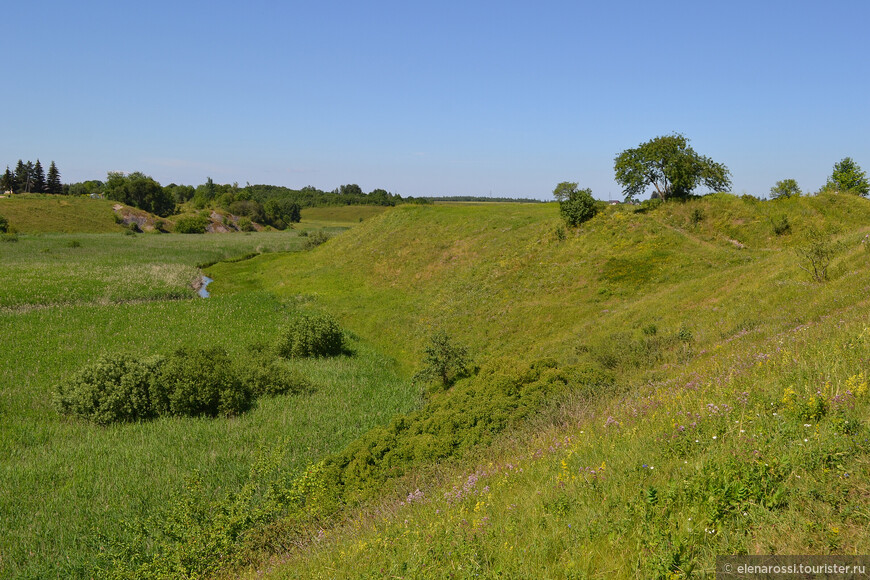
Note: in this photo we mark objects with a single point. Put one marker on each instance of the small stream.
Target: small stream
(203, 289)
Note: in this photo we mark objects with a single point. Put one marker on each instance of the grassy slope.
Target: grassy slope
(495, 275)
(339, 216)
(55, 214)
(498, 278)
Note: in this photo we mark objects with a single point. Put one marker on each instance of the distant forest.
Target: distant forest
(267, 204)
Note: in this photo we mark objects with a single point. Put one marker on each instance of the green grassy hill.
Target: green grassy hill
(59, 214)
(698, 395)
(709, 326)
(498, 277)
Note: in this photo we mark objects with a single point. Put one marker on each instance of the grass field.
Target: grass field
(65, 268)
(729, 364)
(339, 216)
(64, 483)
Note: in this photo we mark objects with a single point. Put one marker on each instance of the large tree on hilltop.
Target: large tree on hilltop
(671, 166)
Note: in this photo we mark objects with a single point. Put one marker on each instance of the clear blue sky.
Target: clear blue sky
(440, 98)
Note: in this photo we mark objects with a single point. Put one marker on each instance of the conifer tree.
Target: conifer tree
(22, 177)
(54, 185)
(38, 178)
(7, 181)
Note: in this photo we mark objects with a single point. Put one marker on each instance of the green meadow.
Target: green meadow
(655, 387)
(68, 299)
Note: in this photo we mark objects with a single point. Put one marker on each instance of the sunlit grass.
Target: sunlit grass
(74, 268)
(723, 457)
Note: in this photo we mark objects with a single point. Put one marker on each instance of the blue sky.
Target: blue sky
(441, 98)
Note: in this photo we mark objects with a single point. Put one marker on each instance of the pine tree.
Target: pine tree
(28, 176)
(22, 177)
(7, 181)
(38, 178)
(54, 185)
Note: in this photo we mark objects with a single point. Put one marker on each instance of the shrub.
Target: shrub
(246, 225)
(191, 225)
(697, 216)
(12, 237)
(115, 388)
(501, 395)
(310, 335)
(263, 375)
(781, 225)
(4, 225)
(445, 361)
(815, 252)
(73, 244)
(196, 382)
(575, 205)
(315, 238)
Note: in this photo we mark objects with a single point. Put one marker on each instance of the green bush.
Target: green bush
(264, 375)
(310, 335)
(113, 389)
(191, 225)
(781, 225)
(4, 225)
(246, 225)
(196, 382)
(445, 361)
(503, 393)
(190, 382)
(315, 238)
(579, 207)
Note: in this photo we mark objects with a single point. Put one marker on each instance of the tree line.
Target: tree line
(31, 178)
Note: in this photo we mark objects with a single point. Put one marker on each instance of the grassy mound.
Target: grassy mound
(59, 214)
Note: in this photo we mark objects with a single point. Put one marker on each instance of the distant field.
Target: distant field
(59, 214)
(339, 215)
